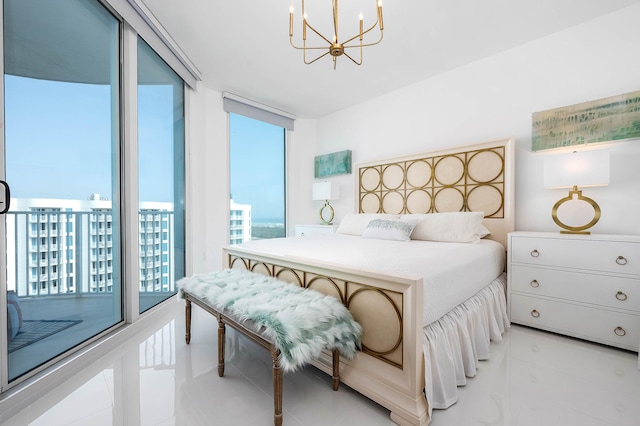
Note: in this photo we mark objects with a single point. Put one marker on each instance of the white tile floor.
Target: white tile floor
(532, 378)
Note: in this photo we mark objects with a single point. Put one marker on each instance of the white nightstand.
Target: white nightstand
(586, 286)
(308, 230)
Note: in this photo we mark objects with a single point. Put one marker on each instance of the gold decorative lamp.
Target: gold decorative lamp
(326, 191)
(573, 170)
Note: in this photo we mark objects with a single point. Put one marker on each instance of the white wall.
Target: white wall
(494, 98)
(207, 173)
(301, 150)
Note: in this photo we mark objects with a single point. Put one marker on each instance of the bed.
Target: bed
(420, 265)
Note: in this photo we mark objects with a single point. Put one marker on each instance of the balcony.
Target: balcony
(91, 313)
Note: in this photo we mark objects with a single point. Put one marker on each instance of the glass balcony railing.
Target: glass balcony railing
(74, 244)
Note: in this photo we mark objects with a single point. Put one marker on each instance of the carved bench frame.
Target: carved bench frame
(244, 328)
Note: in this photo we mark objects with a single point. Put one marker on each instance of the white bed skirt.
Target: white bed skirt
(455, 343)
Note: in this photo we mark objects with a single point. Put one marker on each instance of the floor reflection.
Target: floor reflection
(532, 378)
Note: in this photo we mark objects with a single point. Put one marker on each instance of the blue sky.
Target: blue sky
(257, 167)
(46, 154)
(50, 156)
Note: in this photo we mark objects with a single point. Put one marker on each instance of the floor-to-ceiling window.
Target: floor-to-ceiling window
(257, 184)
(257, 163)
(160, 177)
(71, 229)
(62, 148)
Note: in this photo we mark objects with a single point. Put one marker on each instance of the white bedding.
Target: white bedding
(452, 272)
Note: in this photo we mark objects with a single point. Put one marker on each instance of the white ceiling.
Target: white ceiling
(242, 46)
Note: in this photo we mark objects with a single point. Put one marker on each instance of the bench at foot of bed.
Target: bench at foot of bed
(264, 309)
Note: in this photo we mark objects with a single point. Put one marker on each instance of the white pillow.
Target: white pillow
(354, 223)
(388, 229)
(455, 227)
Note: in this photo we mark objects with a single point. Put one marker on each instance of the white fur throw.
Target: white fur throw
(301, 322)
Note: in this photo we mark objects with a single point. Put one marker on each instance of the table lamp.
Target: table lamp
(573, 170)
(326, 191)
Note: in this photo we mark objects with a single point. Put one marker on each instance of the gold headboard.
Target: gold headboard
(469, 178)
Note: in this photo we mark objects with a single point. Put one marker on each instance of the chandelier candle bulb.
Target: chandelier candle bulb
(291, 21)
(380, 15)
(304, 26)
(361, 19)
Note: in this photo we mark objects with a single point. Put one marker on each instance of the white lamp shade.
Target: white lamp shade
(325, 191)
(583, 168)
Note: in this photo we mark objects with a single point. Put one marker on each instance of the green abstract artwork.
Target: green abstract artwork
(336, 163)
(603, 120)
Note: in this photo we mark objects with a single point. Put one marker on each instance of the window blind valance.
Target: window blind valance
(251, 109)
(136, 14)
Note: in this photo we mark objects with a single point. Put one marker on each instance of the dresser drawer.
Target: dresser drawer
(598, 325)
(622, 257)
(607, 291)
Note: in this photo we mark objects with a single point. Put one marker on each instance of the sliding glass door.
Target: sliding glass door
(67, 161)
(160, 177)
(62, 164)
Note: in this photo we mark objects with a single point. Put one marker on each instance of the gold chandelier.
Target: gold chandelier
(334, 47)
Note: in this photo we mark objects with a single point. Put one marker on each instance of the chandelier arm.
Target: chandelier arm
(307, 47)
(321, 56)
(319, 35)
(364, 45)
(375, 24)
(353, 60)
(335, 20)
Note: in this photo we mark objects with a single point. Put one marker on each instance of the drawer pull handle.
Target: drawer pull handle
(621, 260)
(536, 314)
(619, 331)
(536, 284)
(621, 296)
(536, 253)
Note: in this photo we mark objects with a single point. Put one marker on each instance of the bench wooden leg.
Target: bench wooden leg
(336, 369)
(187, 311)
(221, 340)
(277, 387)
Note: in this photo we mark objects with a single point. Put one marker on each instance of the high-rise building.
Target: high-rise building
(239, 222)
(155, 229)
(58, 246)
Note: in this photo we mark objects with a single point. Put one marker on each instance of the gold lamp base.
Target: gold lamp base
(576, 229)
(326, 213)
